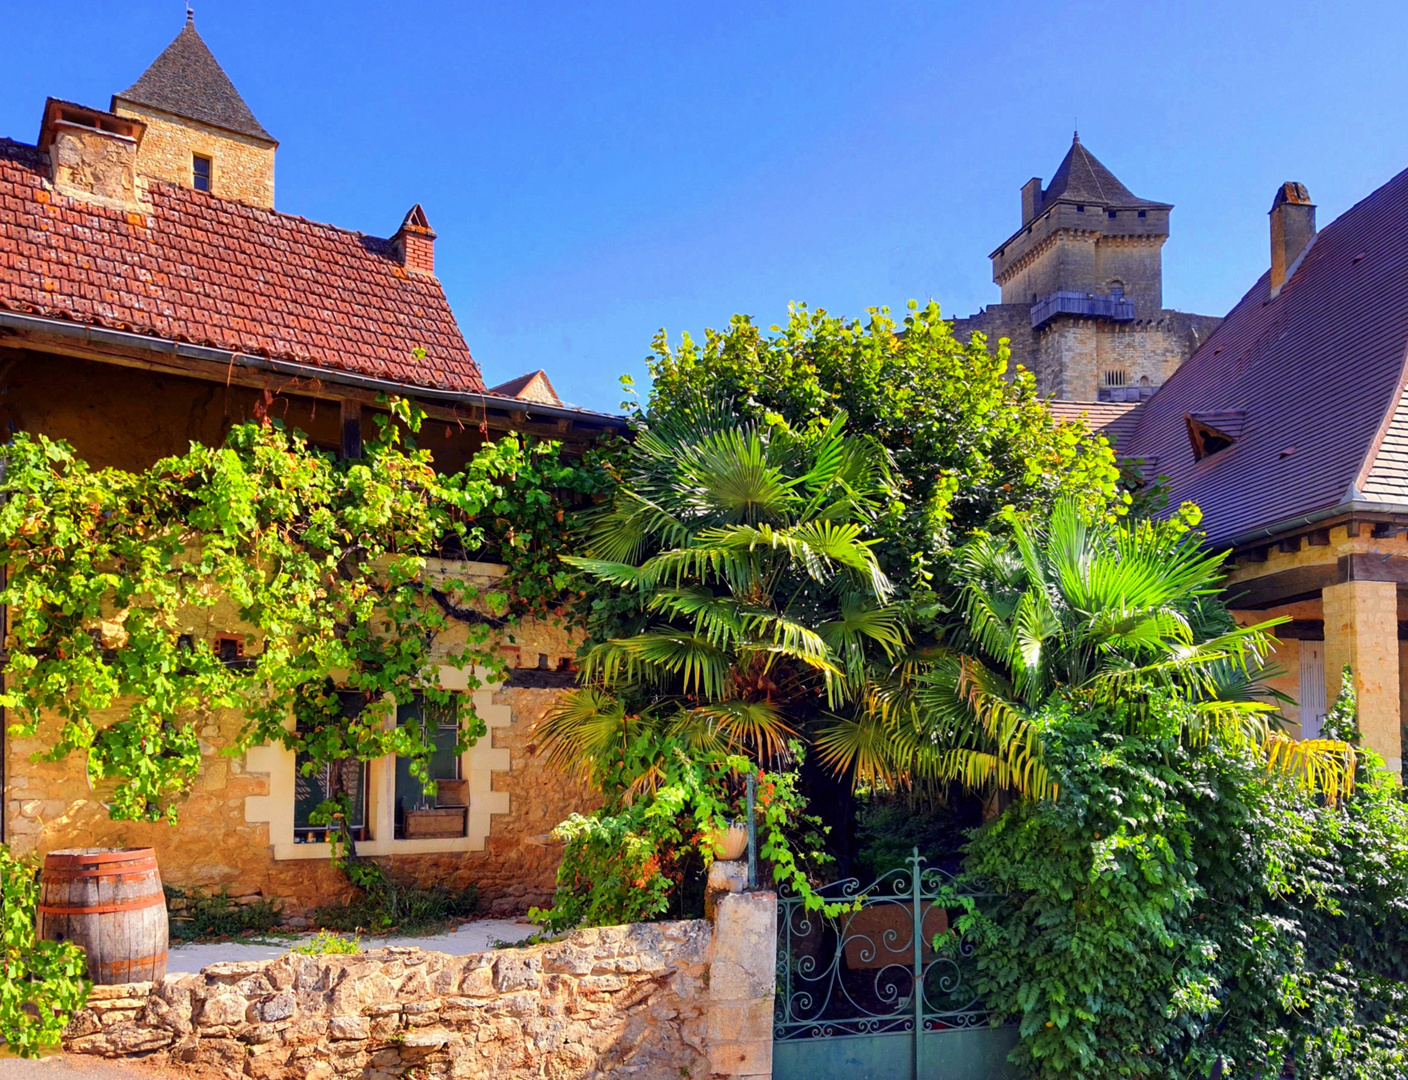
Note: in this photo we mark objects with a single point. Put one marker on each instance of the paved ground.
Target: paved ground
(472, 937)
(77, 1067)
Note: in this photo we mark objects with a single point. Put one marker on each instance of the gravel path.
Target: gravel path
(471, 937)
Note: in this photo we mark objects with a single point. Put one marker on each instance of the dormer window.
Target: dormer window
(1212, 432)
(200, 172)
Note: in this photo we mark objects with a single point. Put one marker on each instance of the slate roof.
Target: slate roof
(187, 80)
(1319, 375)
(207, 271)
(534, 386)
(1080, 178)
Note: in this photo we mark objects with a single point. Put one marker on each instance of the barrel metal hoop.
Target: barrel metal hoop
(135, 873)
(105, 909)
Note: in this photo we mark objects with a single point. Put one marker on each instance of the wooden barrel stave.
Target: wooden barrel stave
(111, 903)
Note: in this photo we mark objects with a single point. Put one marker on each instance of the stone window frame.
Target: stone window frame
(478, 765)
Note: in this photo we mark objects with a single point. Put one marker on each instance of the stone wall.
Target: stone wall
(242, 168)
(662, 1000)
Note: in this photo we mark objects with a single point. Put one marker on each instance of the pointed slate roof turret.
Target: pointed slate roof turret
(1081, 178)
(188, 81)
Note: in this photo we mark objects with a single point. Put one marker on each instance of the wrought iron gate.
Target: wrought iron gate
(847, 1005)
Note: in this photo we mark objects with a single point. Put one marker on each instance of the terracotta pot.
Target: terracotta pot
(730, 843)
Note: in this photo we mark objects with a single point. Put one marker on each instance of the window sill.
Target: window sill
(291, 852)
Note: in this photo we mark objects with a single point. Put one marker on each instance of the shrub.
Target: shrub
(325, 943)
(385, 904)
(44, 982)
(198, 915)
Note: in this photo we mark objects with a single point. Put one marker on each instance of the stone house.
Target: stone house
(151, 295)
(1082, 288)
(1289, 428)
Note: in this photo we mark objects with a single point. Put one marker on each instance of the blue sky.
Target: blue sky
(597, 171)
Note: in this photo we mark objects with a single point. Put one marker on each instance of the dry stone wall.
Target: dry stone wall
(660, 1000)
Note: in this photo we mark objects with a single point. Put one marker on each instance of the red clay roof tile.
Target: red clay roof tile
(183, 271)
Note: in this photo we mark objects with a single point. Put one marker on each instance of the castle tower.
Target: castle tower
(1082, 288)
(199, 131)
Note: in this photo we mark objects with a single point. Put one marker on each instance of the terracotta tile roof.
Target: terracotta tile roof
(1318, 374)
(535, 386)
(1113, 419)
(209, 272)
(187, 80)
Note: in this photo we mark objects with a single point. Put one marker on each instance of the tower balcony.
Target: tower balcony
(1113, 307)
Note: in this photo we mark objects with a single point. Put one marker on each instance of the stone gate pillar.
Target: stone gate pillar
(742, 982)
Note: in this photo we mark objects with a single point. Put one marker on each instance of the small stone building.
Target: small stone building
(151, 295)
(1289, 428)
(1082, 289)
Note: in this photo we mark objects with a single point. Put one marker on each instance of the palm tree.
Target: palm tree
(1097, 611)
(743, 587)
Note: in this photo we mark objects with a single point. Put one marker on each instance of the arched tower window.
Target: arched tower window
(1116, 287)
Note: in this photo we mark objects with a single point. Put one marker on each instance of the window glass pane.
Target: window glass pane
(200, 168)
(347, 776)
(444, 762)
(350, 776)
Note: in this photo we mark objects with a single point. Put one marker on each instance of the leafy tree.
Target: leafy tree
(740, 560)
(967, 435)
(1112, 614)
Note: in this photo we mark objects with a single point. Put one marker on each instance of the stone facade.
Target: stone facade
(1089, 360)
(1098, 248)
(662, 1000)
(242, 167)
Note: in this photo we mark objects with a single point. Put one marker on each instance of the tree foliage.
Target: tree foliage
(968, 437)
(1183, 904)
(744, 590)
(1116, 614)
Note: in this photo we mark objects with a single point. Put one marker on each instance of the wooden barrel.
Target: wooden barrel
(110, 902)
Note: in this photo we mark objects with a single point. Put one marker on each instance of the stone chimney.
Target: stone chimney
(415, 242)
(92, 153)
(1292, 229)
(1031, 199)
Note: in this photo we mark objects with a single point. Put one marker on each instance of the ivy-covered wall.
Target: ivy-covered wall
(217, 843)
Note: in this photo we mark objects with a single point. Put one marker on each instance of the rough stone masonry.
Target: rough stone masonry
(658, 1000)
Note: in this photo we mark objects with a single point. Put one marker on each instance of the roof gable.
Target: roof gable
(188, 81)
(1317, 373)
(534, 386)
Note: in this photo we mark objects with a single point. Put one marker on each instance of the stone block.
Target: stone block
(514, 971)
(426, 1038)
(281, 1006)
(745, 943)
(741, 1058)
(225, 1010)
(741, 1021)
(349, 1027)
(478, 983)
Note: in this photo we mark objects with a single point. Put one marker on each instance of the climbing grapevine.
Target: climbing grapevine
(257, 576)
